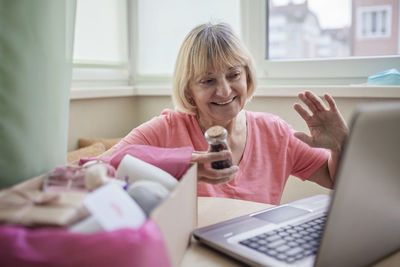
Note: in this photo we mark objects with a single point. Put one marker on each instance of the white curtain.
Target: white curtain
(36, 40)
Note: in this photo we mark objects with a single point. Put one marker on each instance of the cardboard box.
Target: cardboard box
(177, 216)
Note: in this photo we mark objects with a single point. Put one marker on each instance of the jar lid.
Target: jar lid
(215, 133)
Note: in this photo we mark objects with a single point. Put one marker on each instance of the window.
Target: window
(101, 44)
(323, 41)
(162, 26)
(374, 22)
(121, 42)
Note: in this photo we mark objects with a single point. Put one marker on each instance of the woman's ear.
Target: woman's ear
(189, 97)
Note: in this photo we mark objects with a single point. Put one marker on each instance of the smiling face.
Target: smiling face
(219, 95)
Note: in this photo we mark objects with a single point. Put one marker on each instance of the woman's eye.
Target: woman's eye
(234, 75)
(206, 81)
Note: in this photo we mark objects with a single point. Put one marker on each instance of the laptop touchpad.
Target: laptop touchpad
(281, 214)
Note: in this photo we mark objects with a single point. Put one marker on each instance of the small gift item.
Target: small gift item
(216, 138)
(38, 208)
(113, 209)
(87, 177)
(95, 177)
(132, 169)
(147, 194)
(65, 178)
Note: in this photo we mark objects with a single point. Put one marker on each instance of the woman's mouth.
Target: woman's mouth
(224, 102)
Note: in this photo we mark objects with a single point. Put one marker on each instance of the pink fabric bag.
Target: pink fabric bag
(20, 246)
(175, 161)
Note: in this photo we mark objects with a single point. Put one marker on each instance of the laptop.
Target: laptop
(355, 226)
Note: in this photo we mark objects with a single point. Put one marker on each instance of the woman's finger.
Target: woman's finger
(317, 101)
(213, 176)
(207, 157)
(331, 102)
(308, 102)
(216, 173)
(302, 112)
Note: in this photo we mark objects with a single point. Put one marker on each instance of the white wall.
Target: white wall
(101, 117)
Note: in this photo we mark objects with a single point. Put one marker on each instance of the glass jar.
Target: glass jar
(216, 137)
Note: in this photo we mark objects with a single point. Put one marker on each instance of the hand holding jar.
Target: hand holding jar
(218, 157)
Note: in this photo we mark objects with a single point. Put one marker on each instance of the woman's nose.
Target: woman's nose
(223, 88)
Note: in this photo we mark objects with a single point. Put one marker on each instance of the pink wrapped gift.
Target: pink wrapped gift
(58, 247)
(175, 161)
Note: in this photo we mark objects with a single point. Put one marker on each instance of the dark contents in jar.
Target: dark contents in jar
(222, 164)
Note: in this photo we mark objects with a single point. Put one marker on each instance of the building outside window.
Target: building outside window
(317, 29)
(376, 27)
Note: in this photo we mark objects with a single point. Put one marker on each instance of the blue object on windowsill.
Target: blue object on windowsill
(387, 77)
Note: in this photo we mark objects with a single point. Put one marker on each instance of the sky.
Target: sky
(331, 13)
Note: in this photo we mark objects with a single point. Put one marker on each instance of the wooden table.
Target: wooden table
(212, 210)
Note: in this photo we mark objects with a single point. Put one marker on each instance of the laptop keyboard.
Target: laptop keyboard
(290, 243)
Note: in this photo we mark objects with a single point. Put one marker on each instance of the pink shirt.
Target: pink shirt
(271, 153)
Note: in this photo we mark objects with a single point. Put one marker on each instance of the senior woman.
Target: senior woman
(214, 77)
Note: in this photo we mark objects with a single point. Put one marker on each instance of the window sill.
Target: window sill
(354, 91)
(77, 93)
(119, 91)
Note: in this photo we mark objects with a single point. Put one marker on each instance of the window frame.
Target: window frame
(330, 71)
(335, 71)
(90, 73)
(143, 80)
(133, 32)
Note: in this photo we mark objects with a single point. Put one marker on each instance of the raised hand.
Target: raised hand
(213, 176)
(327, 126)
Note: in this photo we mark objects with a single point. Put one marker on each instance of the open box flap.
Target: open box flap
(177, 216)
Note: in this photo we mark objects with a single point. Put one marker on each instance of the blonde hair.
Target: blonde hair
(208, 46)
